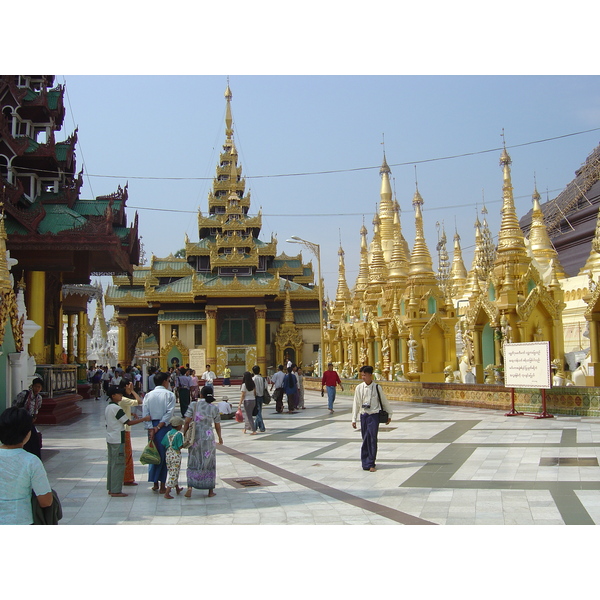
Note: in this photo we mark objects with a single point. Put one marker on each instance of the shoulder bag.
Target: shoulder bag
(190, 434)
(266, 395)
(383, 414)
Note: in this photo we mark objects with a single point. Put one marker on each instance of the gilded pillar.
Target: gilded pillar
(393, 351)
(122, 357)
(70, 338)
(211, 336)
(370, 352)
(261, 338)
(592, 380)
(82, 344)
(36, 311)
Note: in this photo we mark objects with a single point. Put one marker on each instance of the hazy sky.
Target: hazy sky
(311, 148)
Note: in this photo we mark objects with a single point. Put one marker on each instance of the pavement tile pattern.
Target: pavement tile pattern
(439, 465)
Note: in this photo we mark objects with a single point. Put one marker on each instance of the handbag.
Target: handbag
(239, 417)
(266, 395)
(383, 414)
(255, 410)
(150, 455)
(190, 434)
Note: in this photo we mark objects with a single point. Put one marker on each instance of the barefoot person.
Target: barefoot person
(173, 442)
(202, 460)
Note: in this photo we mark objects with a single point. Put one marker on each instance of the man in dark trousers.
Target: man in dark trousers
(369, 399)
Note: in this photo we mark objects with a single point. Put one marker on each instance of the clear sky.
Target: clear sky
(311, 148)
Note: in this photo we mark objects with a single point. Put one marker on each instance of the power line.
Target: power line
(333, 171)
(344, 214)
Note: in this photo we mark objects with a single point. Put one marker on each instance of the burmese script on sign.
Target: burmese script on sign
(527, 365)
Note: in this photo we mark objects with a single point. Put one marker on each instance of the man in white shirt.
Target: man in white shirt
(277, 381)
(209, 376)
(159, 404)
(259, 392)
(369, 399)
(225, 408)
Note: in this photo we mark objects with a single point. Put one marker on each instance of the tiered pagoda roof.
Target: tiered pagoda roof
(49, 226)
(228, 259)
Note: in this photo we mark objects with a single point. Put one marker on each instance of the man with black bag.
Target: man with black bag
(374, 408)
(277, 381)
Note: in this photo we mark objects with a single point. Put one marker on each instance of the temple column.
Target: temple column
(592, 379)
(211, 336)
(261, 338)
(370, 353)
(122, 347)
(82, 345)
(393, 351)
(70, 339)
(478, 355)
(36, 311)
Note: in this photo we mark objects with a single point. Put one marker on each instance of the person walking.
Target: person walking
(227, 376)
(300, 376)
(209, 377)
(159, 404)
(277, 382)
(290, 385)
(202, 459)
(183, 382)
(173, 442)
(369, 399)
(259, 391)
(248, 402)
(330, 379)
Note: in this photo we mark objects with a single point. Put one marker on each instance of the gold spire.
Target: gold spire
(477, 271)
(377, 266)
(592, 264)
(362, 280)
(342, 296)
(458, 271)
(288, 314)
(420, 259)
(398, 270)
(540, 246)
(228, 117)
(386, 212)
(510, 239)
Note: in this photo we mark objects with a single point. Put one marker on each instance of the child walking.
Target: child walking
(173, 442)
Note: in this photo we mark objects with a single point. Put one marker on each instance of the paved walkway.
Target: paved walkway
(436, 465)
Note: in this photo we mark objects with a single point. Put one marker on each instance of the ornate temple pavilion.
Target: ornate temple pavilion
(232, 300)
(58, 239)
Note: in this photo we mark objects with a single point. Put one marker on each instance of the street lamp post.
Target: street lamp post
(316, 250)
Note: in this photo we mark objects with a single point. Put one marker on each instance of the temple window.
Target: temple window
(4, 167)
(431, 305)
(223, 178)
(197, 334)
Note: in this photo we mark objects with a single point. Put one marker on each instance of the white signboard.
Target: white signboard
(198, 361)
(527, 365)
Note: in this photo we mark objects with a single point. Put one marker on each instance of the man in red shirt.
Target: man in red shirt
(330, 380)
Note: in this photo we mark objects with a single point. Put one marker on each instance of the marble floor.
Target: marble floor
(436, 465)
